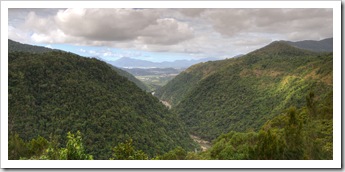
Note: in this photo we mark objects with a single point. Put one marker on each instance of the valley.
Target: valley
(273, 103)
(153, 78)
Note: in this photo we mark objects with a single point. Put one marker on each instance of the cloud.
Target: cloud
(167, 31)
(37, 24)
(201, 32)
(191, 12)
(105, 24)
(105, 27)
(295, 24)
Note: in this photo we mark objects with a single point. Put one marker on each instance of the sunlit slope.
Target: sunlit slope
(241, 94)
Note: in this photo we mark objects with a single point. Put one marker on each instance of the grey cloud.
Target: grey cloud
(204, 32)
(231, 22)
(17, 16)
(252, 41)
(167, 32)
(105, 24)
(191, 12)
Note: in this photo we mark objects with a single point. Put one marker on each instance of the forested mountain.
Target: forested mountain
(241, 94)
(19, 47)
(56, 92)
(325, 45)
(273, 103)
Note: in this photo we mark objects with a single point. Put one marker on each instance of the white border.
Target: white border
(335, 163)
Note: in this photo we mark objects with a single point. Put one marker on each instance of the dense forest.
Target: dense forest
(53, 93)
(296, 134)
(241, 94)
(273, 103)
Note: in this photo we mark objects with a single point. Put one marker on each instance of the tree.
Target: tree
(16, 147)
(293, 137)
(311, 104)
(74, 150)
(177, 154)
(126, 151)
(269, 146)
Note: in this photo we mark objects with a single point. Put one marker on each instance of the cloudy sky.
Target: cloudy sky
(166, 34)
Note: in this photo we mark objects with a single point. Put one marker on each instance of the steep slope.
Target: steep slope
(176, 89)
(241, 94)
(57, 92)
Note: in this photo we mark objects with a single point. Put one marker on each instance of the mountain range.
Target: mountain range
(325, 45)
(127, 62)
(273, 103)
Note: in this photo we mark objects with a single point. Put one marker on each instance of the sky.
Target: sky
(166, 34)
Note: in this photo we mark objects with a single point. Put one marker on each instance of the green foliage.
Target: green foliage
(74, 149)
(175, 90)
(17, 148)
(126, 151)
(248, 98)
(296, 134)
(293, 137)
(269, 146)
(233, 146)
(241, 94)
(177, 154)
(57, 92)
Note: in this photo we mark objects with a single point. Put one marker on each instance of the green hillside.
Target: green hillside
(14, 46)
(296, 134)
(56, 92)
(241, 94)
